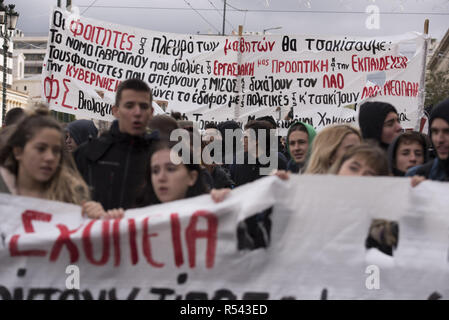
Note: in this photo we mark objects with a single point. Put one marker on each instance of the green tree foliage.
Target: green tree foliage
(437, 87)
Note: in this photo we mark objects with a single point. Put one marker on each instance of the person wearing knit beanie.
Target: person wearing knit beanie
(78, 132)
(438, 168)
(379, 121)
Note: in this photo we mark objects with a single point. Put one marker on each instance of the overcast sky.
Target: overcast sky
(342, 17)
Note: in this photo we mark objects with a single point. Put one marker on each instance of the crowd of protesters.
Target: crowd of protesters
(136, 163)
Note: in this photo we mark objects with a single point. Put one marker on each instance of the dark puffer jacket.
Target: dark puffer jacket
(114, 166)
(436, 169)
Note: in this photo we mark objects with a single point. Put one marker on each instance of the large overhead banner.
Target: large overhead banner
(271, 239)
(216, 78)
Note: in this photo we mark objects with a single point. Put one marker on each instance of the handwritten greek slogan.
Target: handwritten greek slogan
(218, 78)
(270, 239)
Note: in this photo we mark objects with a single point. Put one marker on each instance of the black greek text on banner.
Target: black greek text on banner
(218, 78)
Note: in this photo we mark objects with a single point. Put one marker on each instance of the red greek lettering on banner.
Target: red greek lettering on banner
(64, 82)
(27, 217)
(52, 94)
(192, 234)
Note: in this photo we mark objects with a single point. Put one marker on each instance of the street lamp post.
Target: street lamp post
(8, 19)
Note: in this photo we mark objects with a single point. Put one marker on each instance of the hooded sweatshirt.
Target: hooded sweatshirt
(82, 130)
(371, 120)
(292, 165)
(392, 156)
(436, 169)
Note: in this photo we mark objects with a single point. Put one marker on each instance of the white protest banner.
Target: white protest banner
(218, 78)
(310, 239)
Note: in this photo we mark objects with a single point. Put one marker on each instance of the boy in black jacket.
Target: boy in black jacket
(114, 164)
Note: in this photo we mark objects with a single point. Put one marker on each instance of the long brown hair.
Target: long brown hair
(146, 194)
(66, 184)
(325, 146)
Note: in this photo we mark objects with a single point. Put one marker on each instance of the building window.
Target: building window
(33, 69)
(62, 117)
(34, 56)
(25, 88)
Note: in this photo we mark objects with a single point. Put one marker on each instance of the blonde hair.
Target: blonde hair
(325, 147)
(374, 157)
(66, 184)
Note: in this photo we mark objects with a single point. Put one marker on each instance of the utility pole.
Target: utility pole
(65, 116)
(224, 17)
(422, 81)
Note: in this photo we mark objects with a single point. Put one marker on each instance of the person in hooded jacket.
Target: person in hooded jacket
(114, 164)
(406, 151)
(230, 126)
(250, 170)
(379, 121)
(78, 132)
(299, 145)
(214, 175)
(438, 168)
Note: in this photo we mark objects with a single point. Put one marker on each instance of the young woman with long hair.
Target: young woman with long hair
(329, 145)
(167, 180)
(34, 163)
